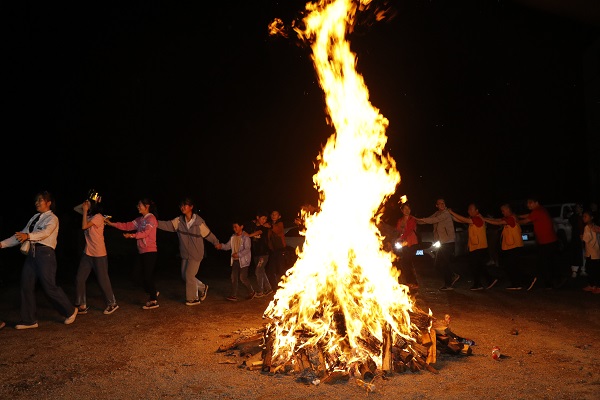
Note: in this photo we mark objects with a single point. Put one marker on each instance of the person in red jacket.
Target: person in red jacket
(407, 228)
(548, 266)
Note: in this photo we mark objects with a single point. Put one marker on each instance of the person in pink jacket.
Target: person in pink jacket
(145, 235)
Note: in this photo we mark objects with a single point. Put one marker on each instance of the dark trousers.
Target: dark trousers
(478, 267)
(40, 264)
(408, 273)
(276, 267)
(592, 267)
(443, 258)
(148, 264)
(549, 263)
(512, 262)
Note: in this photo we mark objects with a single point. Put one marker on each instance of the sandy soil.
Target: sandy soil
(171, 352)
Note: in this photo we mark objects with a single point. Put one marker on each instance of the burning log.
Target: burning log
(240, 341)
(336, 376)
(387, 357)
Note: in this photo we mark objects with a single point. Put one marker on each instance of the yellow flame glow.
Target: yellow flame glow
(343, 290)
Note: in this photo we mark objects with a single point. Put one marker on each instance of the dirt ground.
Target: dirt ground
(171, 352)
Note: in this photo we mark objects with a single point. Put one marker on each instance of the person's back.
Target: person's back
(543, 227)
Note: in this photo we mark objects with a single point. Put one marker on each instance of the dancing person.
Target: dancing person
(443, 231)
(548, 267)
(259, 234)
(241, 254)
(277, 246)
(511, 246)
(145, 236)
(478, 248)
(191, 231)
(575, 246)
(407, 228)
(592, 252)
(41, 234)
(94, 256)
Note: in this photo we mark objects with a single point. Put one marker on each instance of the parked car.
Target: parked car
(560, 214)
(293, 238)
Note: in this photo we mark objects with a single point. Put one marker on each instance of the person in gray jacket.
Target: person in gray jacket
(191, 231)
(443, 231)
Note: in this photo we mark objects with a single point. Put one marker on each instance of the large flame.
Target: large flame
(343, 291)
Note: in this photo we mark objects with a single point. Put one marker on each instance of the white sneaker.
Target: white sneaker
(204, 293)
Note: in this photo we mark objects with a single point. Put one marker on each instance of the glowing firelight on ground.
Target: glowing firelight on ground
(343, 290)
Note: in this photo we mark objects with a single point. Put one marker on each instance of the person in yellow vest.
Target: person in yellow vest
(512, 246)
(478, 247)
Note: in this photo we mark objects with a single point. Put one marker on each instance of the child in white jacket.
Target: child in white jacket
(240, 245)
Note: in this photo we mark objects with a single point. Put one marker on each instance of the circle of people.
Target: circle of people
(548, 270)
(262, 242)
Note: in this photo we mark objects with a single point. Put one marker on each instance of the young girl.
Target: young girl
(145, 235)
(94, 257)
(592, 253)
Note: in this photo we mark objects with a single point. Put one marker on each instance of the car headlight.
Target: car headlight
(398, 245)
(437, 245)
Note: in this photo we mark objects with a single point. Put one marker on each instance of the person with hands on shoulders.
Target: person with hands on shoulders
(145, 235)
(478, 247)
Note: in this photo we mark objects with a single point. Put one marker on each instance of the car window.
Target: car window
(293, 232)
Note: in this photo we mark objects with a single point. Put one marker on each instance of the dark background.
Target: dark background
(487, 100)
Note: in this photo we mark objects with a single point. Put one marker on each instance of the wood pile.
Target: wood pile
(312, 365)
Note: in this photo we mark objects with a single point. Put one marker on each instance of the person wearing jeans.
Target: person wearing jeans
(40, 263)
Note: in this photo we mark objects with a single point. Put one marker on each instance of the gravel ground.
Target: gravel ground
(171, 352)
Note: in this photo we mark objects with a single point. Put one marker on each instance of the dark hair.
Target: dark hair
(186, 201)
(151, 205)
(48, 197)
(95, 207)
(262, 213)
(404, 205)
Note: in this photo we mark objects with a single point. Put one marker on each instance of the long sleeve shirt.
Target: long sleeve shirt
(145, 234)
(44, 231)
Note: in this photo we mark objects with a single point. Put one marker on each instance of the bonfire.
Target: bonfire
(340, 311)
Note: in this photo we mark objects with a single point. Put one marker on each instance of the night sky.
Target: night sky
(138, 98)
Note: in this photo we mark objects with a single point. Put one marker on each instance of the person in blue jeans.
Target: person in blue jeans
(259, 233)
(41, 232)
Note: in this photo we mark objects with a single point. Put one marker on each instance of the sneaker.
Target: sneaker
(26, 326)
(492, 284)
(82, 310)
(259, 294)
(446, 288)
(476, 288)
(111, 309)
(204, 293)
(150, 305)
(194, 302)
(232, 298)
(251, 296)
(71, 319)
(532, 283)
(514, 288)
(455, 279)
(268, 292)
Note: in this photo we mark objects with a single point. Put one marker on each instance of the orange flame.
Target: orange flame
(342, 275)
